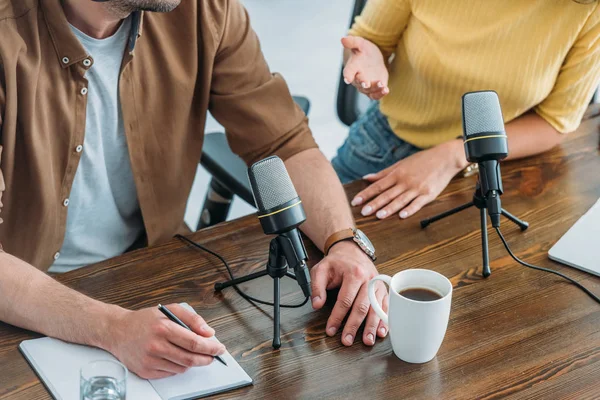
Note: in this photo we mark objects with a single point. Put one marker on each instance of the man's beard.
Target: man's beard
(123, 8)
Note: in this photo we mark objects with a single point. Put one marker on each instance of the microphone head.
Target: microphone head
(271, 184)
(483, 127)
(279, 207)
(481, 113)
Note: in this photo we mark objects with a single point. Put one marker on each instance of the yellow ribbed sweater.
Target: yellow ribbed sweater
(537, 54)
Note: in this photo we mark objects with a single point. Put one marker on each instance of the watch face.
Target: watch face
(365, 240)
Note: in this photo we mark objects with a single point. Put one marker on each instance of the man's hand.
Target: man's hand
(348, 267)
(365, 67)
(153, 347)
(410, 184)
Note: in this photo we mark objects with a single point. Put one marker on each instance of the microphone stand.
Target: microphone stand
(480, 202)
(277, 268)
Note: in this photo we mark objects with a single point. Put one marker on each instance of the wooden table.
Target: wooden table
(519, 333)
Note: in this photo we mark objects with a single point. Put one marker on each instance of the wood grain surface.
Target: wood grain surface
(520, 333)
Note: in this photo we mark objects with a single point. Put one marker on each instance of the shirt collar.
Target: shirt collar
(68, 48)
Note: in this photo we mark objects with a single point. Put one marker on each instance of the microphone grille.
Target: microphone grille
(271, 183)
(482, 113)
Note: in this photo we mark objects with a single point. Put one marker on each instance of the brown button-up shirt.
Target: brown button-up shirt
(203, 56)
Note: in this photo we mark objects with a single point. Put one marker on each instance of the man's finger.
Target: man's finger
(345, 300)
(319, 275)
(193, 343)
(359, 312)
(186, 359)
(373, 320)
(195, 322)
(382, 330)
(161, 364)
(415, 206)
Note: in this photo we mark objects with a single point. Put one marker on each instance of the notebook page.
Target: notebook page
(203, 381)
(57, 363)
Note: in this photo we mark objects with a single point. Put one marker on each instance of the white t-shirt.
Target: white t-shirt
(103, 217)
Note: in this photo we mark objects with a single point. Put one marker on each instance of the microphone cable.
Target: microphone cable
(247, 297)
(574, 282)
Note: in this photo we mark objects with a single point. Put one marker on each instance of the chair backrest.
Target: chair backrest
(350, 103)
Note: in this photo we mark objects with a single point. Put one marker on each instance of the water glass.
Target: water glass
(103, 380)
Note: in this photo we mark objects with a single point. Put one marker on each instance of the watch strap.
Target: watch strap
(336, 237)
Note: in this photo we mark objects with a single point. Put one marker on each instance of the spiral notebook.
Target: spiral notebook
(57, 364)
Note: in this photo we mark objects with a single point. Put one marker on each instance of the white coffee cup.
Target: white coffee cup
(417, 328)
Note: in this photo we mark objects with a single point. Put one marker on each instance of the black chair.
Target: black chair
(350, 103)
(229, 176)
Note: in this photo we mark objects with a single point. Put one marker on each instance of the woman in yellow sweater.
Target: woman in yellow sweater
(420, 56)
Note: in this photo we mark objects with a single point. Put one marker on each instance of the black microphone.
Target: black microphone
(280, 213)
(486, 143)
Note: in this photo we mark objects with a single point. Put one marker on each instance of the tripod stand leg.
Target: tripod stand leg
(290, 275)
(484, 243)
(276, 318)
(222, 285)
(522, 224)
(426, 222)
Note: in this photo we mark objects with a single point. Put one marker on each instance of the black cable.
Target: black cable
(245, 296)
(579, 285)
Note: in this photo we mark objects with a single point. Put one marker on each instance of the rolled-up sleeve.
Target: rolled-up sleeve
(577, 80)
(255, 106)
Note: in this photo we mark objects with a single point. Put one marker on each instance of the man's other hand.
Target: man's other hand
(349, 268)
(153, 347)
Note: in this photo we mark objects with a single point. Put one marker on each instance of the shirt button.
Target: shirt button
(87, 62)
(65, 60)
(84, 91)
(56, 255)
(66, 202)
(79, 148)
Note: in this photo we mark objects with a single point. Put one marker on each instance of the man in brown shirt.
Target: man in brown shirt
(202, 55)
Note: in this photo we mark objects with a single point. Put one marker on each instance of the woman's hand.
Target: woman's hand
(410, 184)
(365, 67)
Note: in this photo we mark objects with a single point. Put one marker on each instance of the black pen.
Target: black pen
(179, 322)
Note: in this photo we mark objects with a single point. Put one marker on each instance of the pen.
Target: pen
(179, 322)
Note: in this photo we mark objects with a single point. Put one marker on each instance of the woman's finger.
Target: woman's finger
(415, 206)
(350, 71)
(360, 198)
(379, 94)
(397, 203)
(383, 200)
(375, 189)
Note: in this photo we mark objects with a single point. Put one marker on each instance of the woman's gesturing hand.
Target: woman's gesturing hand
(365, 67)
(408, 185)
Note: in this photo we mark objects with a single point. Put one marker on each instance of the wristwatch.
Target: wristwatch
(357, 236)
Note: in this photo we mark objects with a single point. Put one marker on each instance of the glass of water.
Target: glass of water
(103, 380)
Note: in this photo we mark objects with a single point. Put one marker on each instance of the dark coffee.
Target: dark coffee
(420, 294)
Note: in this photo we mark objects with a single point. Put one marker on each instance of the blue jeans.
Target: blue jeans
(370, 147)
